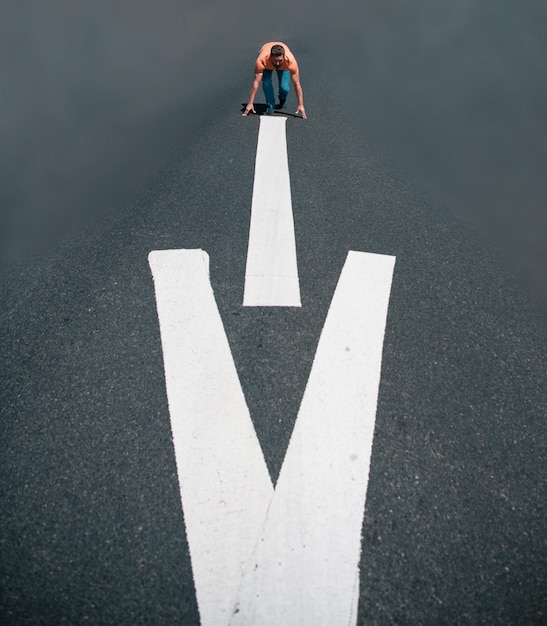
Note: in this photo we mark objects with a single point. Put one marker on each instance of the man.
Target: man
(276, 56)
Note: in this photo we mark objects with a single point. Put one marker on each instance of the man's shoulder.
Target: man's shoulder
(292, 64)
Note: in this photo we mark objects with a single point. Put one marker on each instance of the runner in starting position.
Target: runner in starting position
(276, 56)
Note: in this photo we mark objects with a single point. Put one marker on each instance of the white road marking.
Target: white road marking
(305, 569)
(271, 277)
(259, 557)
(224, 483)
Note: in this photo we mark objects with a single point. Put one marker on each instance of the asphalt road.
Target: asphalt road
(92, 528)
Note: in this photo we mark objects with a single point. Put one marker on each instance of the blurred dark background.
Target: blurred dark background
(95, 94)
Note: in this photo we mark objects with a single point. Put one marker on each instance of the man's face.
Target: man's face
(277, 59)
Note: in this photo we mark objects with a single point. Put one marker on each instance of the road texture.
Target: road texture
(454, 530)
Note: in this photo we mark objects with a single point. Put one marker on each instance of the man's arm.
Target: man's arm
(254, 89)
(299, 94)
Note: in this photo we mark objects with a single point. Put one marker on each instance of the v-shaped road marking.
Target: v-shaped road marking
(263, 556)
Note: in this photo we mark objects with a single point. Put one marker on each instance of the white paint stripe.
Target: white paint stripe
(292, 558)
(271, 277)
(306, 566)
(224, 483)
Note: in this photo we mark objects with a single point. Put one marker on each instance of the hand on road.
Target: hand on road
(302, 110)
(248, 108)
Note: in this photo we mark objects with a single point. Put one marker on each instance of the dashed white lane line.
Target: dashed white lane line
(259, 556)
(271, 277)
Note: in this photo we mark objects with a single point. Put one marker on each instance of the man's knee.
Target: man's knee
(283, 92)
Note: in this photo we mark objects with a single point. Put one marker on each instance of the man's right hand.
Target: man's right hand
(250, 107)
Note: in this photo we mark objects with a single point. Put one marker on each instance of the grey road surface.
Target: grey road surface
(137, 144)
